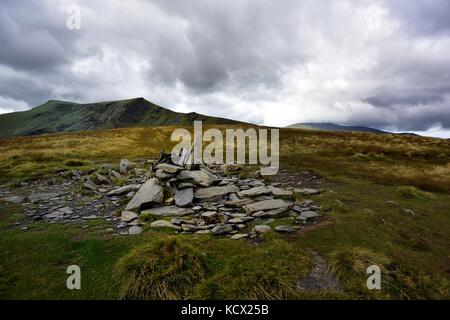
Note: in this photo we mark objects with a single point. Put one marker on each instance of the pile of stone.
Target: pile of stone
(210, 200)
(190, 199)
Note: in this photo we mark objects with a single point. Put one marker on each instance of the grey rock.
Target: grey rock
(235, 221)
(238, 215)
(101, 179)
(123, 190)
(266, 205)
(184, 197)
(306, 215)
(262, 228)
(205, 231)
(149, 194)
(189, 228)
(90, 185)
(128, 216)
(211, 192)
(307, 191)
(53, 215)
(169, 168)
(115, 174)
(274, 213)
(169, 211)
(253, 192)
(66, 210)
(124, 166)
(221, 229)
(134, 230)
(306, 203)
(238, 203)
(176, 221)
(280, 192)
(238, 236)
(284, 228)
(203, 178)
(233, 197)
(163, 224)
(183, 185)
(161, 174)
(212, 216)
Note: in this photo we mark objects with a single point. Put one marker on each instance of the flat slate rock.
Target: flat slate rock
(128, 216)
(274, 213)
(169, 168)
(221, 229)
(211, 192)
(123, 190)
(266, 205)
(253, 192)
(286, 229)
(238, 236)
(168, 211)
(280, 192)
(238, 203)
(203, 178)
(163, 224)
(150, 193)
(307, 191)
(163, 175)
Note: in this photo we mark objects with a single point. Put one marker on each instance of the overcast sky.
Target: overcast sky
(380, 63)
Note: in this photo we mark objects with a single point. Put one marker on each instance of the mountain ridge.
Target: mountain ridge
(64, 116)
(329, 126)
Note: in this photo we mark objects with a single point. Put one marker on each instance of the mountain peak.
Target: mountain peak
(64, 116)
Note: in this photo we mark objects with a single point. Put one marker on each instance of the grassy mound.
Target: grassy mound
(269, 271)
(165, 269)
(397, 281)
(408, 192)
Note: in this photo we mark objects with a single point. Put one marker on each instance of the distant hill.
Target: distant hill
(62, 116)
(334, 127)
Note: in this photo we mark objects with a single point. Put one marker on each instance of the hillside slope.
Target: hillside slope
(62, 116)
(326, 126)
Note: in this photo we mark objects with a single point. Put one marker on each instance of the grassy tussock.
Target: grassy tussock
(160, 270)
(397, 282)
(408, 192)
(169, 268)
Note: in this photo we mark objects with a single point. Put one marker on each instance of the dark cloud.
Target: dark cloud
(389, 100)
(379, 63)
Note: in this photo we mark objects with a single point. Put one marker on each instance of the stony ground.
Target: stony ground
(207, 200)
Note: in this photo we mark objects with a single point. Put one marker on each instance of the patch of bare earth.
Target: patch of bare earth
(320, 279)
